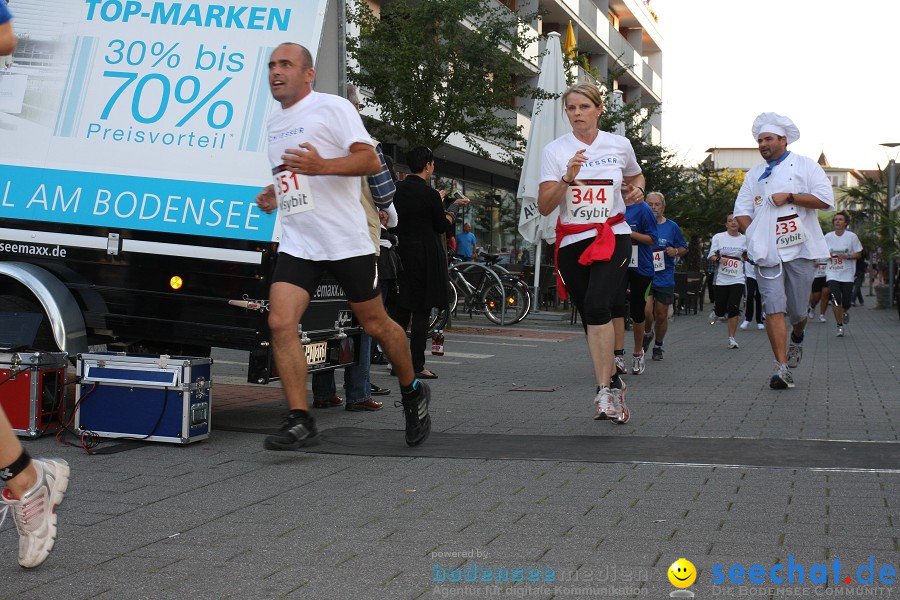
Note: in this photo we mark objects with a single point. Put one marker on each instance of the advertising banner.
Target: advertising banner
(143, 114)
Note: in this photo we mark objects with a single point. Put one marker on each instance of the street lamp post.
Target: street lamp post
(892, 187)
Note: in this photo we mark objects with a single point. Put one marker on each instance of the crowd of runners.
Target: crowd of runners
(611, 238)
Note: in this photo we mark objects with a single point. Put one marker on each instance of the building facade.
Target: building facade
(612, 35)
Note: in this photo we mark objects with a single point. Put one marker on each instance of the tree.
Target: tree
(441, 67)
(662, 172)
(708, 198)
(871, 218)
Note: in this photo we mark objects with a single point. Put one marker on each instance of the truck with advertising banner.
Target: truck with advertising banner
(132, 146)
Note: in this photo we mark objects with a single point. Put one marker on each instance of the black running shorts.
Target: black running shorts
(357, 275)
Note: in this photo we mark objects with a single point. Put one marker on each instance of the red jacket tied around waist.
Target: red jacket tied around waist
(601, 248)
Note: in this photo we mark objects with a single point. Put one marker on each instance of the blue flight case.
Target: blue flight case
(155, 398)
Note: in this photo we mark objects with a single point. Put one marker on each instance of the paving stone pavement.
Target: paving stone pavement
(224, 518)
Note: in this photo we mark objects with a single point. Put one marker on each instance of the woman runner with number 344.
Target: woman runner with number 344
(588, 174)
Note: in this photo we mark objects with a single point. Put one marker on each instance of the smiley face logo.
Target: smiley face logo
(682, 573)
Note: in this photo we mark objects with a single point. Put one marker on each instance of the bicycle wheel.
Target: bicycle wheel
(506, 306)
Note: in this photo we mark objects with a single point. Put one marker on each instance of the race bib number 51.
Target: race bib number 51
(590, 202)
(292, 192)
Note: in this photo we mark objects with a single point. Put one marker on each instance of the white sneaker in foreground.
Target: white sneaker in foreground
(606, 405)
(623, 413)
(35, 513)
(732, 343)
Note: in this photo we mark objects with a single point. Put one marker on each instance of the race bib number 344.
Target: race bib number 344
(591, 201)
(292, 191)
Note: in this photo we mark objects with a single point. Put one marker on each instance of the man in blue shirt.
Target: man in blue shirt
(7, 37)
(670, 244)
(640, 275)
(465, 243)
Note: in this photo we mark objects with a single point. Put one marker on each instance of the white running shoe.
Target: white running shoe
(745, 325)
(637, 364)
(606, 405)
(810, 313)
(619, 399)
(794, 353)
(732, 343)
(35, 513)
(620, 365)
(782, 378)
(712, 317)
(760, 326)
(822, 318)
(840, 331)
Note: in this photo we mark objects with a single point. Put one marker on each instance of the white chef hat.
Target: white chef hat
(770, 122)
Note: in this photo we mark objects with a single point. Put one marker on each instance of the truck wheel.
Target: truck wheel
(44, 338)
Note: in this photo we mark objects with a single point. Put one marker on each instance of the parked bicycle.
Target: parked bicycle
(487, 288)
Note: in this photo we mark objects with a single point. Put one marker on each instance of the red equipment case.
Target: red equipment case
(32, 386)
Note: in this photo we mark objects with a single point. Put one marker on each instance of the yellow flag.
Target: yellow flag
(569, 44)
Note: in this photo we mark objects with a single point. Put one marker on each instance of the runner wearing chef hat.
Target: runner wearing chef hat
(776, 207)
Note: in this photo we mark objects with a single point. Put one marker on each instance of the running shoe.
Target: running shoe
(607, 405)
(624, 415)
(620, 365)
(846, 317)
(745, 325)
(637, 364)
(657, 353)
(732, 343)
(760, 326)
(415, 409)
(810, 314)
(822, 318)
(712, 317)
(782, 378)
(297, 430)
(840, 331)
(794, 354)
(648, 339)
(35, 513)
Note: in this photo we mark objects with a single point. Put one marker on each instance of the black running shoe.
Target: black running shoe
(648, 339)
(415, 409)
(298, 430)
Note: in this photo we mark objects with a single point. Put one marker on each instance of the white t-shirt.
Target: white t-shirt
(798, 175)
(336, 227)
(731, 257)
(841, 269)
(609, 157)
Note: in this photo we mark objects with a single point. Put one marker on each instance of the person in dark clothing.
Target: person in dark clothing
(423, 253)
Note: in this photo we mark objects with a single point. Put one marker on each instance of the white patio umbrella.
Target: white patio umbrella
(547, 124)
